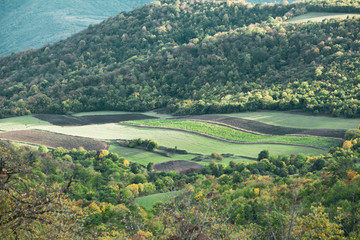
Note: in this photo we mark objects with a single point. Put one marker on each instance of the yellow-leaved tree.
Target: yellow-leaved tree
(316, 225)
(31, 206)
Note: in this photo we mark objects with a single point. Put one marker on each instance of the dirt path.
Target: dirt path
(222, 139)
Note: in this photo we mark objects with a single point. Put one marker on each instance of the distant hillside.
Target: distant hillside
(194, 57)
(32, 24)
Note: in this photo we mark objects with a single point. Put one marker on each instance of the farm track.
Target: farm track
(265, 129)
(222, 139)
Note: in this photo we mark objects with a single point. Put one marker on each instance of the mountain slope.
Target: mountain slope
(32, 24)
(193, 58)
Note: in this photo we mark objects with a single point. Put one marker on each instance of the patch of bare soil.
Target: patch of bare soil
(69, 120)
(54, 140)
(268, 129)
(180, 166)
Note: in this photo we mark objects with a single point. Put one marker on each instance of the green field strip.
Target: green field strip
(104, 113)
(148, 201)
(144, 157)
(297, 120)
(231, 134)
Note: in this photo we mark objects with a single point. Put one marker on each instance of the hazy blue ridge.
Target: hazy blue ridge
(35, 23)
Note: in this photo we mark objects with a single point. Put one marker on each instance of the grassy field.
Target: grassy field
(150, 113)
(190, 142)
(295, 120)
(148, 201)
(319, 16)
(170, 138)
(235, 135)
(21, 123)
(144, 157)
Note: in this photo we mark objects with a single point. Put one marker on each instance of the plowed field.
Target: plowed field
(53, 140)
(69, 120)
(177, 165)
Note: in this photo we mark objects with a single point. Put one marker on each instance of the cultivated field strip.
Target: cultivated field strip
(256, 127)
(223, 139)
(70, 120)
(53, 140)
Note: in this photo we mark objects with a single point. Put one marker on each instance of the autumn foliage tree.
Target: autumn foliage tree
(31, 204)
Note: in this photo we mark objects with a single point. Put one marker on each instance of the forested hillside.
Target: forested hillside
(33, 24)
(194, 57)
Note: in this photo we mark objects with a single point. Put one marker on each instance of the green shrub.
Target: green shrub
(152, 145)
(352, 133)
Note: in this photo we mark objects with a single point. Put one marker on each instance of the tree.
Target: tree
(149, 166)
(299, 160)
(135, 168)
(138, 178)
(352, 134)
(152, 145)
(263, 154)
(31, 205)
(316, 225)
(318, 164)
(195, 216)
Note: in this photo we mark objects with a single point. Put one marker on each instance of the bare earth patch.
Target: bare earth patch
(69, 120)
(54, 140)
(180, 166)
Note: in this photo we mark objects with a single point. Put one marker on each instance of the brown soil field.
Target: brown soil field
(264, 128)
(180, 166)
(53, 140)
(69, 120)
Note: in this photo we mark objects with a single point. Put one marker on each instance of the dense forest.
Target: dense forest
(79, 194)
(194, 57)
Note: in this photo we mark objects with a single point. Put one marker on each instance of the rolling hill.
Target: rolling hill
(192, 58)
(235, 174)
